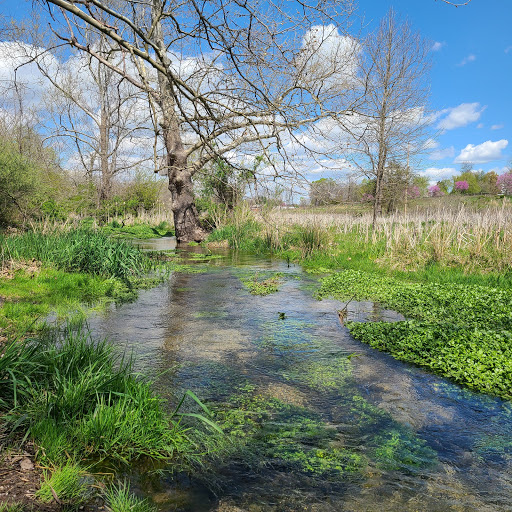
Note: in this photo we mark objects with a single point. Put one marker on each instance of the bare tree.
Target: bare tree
(392, 124)
(100, 114)
(233, 77)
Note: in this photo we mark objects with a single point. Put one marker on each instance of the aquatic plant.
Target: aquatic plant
(462, 332)
(119, 498)
(264, 286)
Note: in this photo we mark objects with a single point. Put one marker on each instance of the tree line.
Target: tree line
(221, 97)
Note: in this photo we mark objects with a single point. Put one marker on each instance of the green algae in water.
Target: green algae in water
(400, 450)
(322, 375)
(287, 336)
(262, 287)
(195, 256)
(187, 269)
(209, 314)
(286, 436)
(497, 448)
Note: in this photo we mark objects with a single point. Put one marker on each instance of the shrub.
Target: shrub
(504, 183)
(461, 186)
(435, 191)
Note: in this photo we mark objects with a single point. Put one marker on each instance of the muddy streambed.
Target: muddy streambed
(317, 421)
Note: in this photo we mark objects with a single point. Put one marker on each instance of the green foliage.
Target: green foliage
(262, 287)
(472, 180)
(243, 236)
(140, 231)
(119, 498)
(66, 483)
(463, 332)
(17, 182)
(31, 184)
(81, 250)
(78, 398)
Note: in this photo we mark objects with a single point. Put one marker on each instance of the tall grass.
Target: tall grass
(445, 244)
(81, 250)
(80, 399)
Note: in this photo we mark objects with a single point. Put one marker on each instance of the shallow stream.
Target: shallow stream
(320, 422)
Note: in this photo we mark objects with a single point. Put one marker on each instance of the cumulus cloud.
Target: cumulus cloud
(462, 115)
(437, 173)
(437, 46)
(329, 56)
(482, 153)
(439, 154)
(466, 60)
(497, 126)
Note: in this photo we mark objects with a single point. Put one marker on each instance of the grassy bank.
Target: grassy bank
(64, 273)
(77, 404)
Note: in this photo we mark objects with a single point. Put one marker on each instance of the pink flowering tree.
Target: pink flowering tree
(435, 191)
(414, 192)
(504, 183)
(367, 198)
(461, 186)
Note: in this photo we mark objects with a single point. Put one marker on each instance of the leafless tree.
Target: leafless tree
(393, 124)
(105, 118)
(232, 78)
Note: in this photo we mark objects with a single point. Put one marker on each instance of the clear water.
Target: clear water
(416, 441)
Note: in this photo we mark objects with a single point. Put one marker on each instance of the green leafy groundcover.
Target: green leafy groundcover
(463, 332)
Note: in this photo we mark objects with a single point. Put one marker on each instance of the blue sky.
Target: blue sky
(470, 79)
(472, 66)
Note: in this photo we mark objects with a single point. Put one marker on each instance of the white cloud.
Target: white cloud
(329, 57)
(442, 153)
(460, 116)
(497, 126)
(466, 60)
(437, 46)
(436, 173)
(480, 125)
(482, 153)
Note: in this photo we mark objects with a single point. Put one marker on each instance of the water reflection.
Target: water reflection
(403, 439)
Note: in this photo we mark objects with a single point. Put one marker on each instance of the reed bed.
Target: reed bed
(475, 240)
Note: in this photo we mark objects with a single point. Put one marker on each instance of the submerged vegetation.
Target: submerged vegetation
(265, 286)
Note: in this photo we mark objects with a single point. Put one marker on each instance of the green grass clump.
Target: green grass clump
(79, 398)
(463, 332)
(81, 250)
(120, 499)
(140, 231)
(67, 484)
(264, 286)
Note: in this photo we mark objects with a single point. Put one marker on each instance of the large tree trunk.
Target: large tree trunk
(186, 219)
